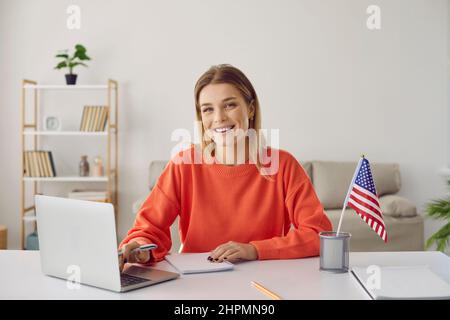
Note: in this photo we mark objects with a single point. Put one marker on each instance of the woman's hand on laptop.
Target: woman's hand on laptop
(136, 256)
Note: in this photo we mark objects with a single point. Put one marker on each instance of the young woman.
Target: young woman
(243, 201)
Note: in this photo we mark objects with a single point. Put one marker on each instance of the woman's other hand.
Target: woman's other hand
(234, 251)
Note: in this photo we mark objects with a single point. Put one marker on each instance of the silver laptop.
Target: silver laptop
(77, 242)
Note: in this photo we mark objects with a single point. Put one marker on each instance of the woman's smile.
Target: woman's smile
(224, 129)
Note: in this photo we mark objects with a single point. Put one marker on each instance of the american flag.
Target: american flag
(364, 200)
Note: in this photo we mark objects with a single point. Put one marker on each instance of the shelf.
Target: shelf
(30, 129)
(66, 87)
(66, 179)
(65, 133)
(29, 218)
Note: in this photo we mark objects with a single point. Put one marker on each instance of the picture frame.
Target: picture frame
(52, 123)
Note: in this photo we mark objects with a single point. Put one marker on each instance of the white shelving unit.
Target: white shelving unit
(64, 133)
(64, 87)
(68, 179)
(31, 131)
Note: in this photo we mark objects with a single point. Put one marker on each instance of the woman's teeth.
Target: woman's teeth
(224, 129)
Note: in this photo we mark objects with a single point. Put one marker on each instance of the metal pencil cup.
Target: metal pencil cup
(334, 251)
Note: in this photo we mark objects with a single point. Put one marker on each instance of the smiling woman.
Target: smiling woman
(227, 107)
(231, 207)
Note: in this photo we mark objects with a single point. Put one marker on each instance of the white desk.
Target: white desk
(21, 278)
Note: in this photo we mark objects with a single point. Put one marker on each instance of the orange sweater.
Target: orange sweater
(218, 203)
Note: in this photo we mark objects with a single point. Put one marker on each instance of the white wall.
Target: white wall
(334, 88)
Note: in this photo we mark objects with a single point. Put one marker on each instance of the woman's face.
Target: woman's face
(224, 113)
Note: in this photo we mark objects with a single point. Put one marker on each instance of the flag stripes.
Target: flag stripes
(378, 228)
(363, 199)
(365, 194)
(364, 211)
(366, 205)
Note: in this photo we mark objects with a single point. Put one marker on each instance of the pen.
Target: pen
(267, 292)
(145, 247)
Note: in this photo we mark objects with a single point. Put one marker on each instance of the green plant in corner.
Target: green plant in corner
(440, 209)
(71, 61)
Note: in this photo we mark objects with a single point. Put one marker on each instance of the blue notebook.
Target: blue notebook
(187, 263)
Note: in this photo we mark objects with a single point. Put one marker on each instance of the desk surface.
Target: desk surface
(21, 278)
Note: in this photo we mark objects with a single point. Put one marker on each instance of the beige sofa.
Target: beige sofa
(331, 181)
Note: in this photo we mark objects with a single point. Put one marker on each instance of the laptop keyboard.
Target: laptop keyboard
(129, 280)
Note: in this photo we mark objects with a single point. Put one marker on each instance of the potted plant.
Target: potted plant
(440, 209)
(72, 61)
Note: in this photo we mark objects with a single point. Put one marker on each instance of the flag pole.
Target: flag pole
(348, 193)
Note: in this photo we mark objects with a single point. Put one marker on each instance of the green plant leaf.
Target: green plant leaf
(81, 55)
(439, 209)
(80, 47)
(73, 64)
(441, 238)
(80, 52)
(61, 65)
(72, 61)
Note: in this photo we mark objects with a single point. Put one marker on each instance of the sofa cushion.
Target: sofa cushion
(307, 166)
(396, 206)
(331, 180)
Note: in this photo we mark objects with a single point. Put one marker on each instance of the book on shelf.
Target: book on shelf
(39, 170)
(39, 163)
(42, 161)
(52, 164)
(34, 163)
(103, 119)
(30, 164)
(83, 119)
(87, 118)
(96, 114)
(47, 164)
(91, 117)
(94, 118)
(27, 171)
